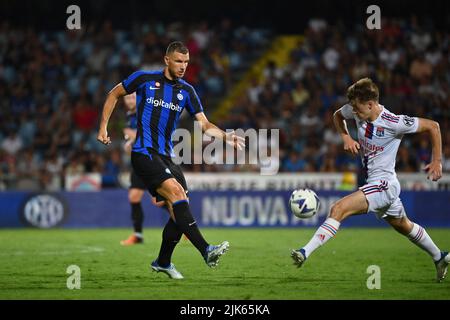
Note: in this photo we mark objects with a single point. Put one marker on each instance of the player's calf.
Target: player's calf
(337, 212)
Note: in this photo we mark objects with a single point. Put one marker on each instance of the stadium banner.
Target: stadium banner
(253, 181)
(288, 181)
(84, 182)
(110, 208)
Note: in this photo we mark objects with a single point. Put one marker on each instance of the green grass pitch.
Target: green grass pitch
(33, 265)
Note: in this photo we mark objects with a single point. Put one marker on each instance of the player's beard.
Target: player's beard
(174, 75)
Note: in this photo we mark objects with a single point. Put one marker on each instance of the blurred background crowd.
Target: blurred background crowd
(53, 85)
(409, 63)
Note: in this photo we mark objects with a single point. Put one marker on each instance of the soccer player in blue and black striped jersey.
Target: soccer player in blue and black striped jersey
(161, 96)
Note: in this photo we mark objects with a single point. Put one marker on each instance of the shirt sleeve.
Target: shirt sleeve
(193, 104)
(347, 111)
(406, 124)
(134, 81)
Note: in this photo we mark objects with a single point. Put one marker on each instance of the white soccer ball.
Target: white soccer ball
(304, 203)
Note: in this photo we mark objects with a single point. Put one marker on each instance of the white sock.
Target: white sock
(139, 235)
(325, 232)
(420, 237)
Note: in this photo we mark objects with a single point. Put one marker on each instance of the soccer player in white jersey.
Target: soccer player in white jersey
(379, 136)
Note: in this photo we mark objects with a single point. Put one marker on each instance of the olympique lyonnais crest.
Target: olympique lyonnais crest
(380, 132)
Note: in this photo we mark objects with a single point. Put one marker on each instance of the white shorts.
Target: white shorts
(383, 198)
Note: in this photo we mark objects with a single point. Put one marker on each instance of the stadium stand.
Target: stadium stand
(54, 84)
(410, 64)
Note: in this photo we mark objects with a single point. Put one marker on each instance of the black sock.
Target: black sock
(186, 223)
(170, 237)
(137, 216)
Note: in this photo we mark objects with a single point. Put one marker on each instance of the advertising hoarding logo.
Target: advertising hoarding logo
(43, 211)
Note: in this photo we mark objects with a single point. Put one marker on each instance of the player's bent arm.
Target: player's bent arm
(341, 126)
(432, 127)
(209, 128)
(108, 107)
(212, 130)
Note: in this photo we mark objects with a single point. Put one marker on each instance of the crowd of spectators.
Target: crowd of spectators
(53, 85)
(408, 60)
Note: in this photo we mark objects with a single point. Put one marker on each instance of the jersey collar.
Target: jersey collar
(173, 82)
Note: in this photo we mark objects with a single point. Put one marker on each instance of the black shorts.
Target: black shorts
(136, 182)
(156, 169)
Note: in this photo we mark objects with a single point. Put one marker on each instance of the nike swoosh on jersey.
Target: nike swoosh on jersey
(153, 88)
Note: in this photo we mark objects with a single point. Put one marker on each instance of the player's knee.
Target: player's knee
(134, 196)
(177, 193)
(180, 193)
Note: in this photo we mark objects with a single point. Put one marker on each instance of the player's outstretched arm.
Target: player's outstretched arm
(434, 168)
(350, 145)
(108, 107)
(213, 131)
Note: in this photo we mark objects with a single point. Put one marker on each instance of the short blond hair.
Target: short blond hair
(362, 91)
